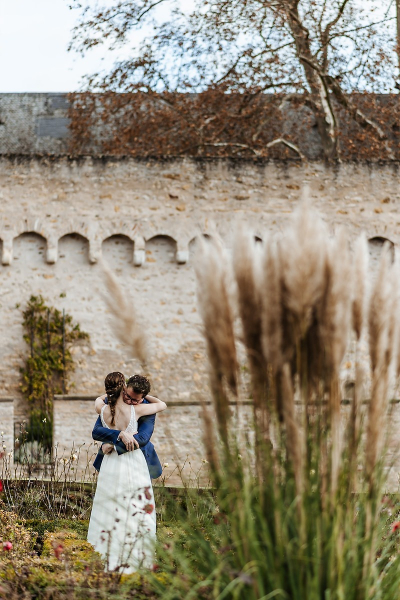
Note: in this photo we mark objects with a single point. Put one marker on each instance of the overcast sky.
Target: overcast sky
(34, 35)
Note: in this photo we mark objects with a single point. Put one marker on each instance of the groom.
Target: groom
(137, 388)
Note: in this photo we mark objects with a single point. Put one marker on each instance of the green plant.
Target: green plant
(298, 513)
(49, 334)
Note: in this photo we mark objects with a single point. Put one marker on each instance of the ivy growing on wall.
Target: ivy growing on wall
(49, 334)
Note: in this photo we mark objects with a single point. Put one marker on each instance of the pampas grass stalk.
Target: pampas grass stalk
(126, 323)
(378, 321)
(216, 311)
(294, 439)
(359, 305)
(360, 273)
(271, 296)
(245, 262)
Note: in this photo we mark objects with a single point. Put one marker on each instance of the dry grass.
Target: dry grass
(126, 323)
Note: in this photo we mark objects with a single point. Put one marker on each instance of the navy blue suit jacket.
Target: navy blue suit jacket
(145, 431)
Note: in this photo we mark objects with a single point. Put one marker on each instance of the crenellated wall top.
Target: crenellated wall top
(95, 233)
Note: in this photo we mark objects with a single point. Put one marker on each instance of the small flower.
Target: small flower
(155, 568)
(395, 526)
(147, 493)
(7, 546)
(44, 420)
(1, 486)
(239, 457)
(204, 461)
(165, 465)
(74, 457)
(58, 550)
(2, 433)
(148, 508)
(17, 440)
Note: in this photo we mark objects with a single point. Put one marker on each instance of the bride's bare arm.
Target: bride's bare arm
(154, 399)
(99, 403)
(155, 405)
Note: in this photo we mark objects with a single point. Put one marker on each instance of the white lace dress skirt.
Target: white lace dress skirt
(122, 525)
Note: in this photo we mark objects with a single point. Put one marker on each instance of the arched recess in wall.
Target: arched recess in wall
(161, 249)
(29, 248)
(117, 251)
(375, 247)
(74, 249)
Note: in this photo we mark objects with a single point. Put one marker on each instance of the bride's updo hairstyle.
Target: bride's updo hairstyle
(114, 384)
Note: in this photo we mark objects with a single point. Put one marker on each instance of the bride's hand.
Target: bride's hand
(107, 448)
(129, 441)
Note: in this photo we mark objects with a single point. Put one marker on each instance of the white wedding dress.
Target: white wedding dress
(122, 524)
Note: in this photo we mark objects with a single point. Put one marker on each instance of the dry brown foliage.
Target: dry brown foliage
(215, 124)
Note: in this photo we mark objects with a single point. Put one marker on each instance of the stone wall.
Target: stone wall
(33, 123)
(178, 436)
(59, 218)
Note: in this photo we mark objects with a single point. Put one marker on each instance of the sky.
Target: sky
(34, 36)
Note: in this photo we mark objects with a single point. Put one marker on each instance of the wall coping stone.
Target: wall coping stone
(7, 399)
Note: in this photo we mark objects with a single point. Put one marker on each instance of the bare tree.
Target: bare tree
(322, 54)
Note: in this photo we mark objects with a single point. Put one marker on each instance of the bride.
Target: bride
(122, 524)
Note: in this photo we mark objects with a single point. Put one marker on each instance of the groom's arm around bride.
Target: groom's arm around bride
(142, 438)
(145, 431)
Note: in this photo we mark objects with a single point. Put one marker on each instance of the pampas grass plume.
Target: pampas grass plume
(216, 311)
(272, 306)
(302, 265)
(359, 284)
(245, 264)
(126, 322)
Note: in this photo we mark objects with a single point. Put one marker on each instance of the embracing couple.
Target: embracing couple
(122, 524)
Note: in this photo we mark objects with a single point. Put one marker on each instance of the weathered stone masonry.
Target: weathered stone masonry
(59, 217)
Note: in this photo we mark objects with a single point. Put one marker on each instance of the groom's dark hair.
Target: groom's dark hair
(140, 384)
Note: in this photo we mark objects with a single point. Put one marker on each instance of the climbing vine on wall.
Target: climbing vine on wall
(49, 334)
